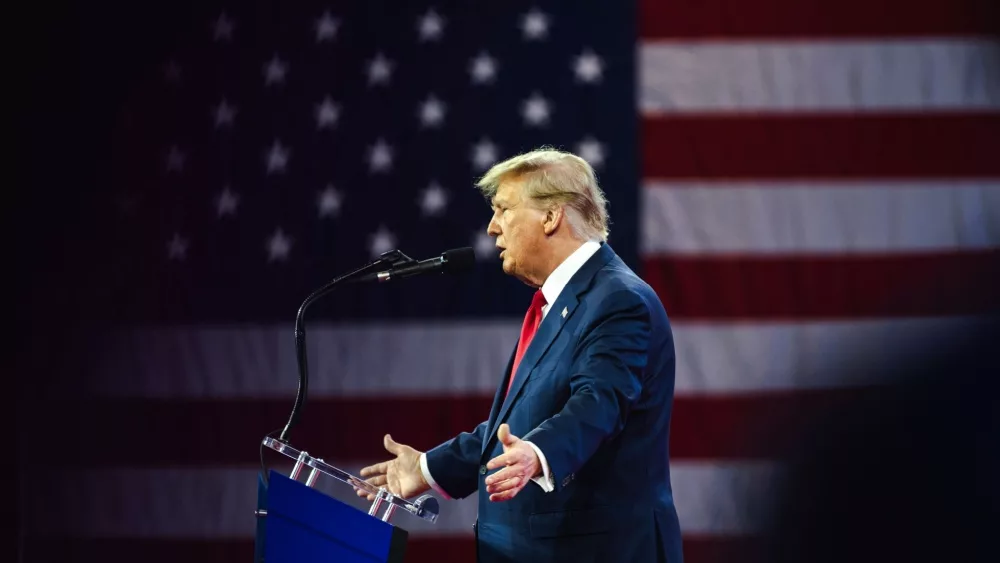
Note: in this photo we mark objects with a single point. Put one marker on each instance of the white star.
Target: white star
(380, 157)
(326, 27)
(535, 110)
(175, 159)
(432, 112)
(379, 70)
(433, 200)
(278, 246)
(177, 247)
(223, 27)
(224, 114)
(483, 69)
(226, 203)
(275, 70)
(277, 157)
(592, 151)
(535, 24)
(485, 246)
(484, 153)
(382, 241)
(329, 201)
(172, 72)
(327, 113)
(430, 26)
(588, 67)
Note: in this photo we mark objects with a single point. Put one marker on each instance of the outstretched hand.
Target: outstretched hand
(520, 463)
(401, 476)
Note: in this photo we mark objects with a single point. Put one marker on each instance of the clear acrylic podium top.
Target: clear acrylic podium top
(426, 507)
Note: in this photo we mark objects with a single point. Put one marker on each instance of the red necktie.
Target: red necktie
(532, 319)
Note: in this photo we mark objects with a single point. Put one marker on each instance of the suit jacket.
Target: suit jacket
(594, 391)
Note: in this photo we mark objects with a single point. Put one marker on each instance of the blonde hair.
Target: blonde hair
(553, 177)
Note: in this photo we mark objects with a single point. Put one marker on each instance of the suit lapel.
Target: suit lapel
(549, 329)
(547, 332)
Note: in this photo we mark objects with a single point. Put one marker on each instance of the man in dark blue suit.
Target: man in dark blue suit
(572, 463)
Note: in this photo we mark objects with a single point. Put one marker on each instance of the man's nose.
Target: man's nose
(493, 229)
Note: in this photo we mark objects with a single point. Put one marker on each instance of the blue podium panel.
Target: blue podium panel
(304, 525)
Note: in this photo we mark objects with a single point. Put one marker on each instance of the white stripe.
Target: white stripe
(466, 359)
(819, 217)
(219, 503)
(882, 75)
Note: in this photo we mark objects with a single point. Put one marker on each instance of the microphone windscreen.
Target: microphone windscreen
(459, 260)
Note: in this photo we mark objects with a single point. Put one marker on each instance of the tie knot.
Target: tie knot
(538, 301)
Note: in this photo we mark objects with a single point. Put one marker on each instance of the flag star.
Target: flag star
(485, 246)
(326, 27)
(484, 153)
(277, 157)
(329, 201)
(588, 67)
(382, 241)
(278, 246)
(275, 70)
(172, 72)
(177, 247)
(224, 114)
(432, 112)
(379, 70)
(430, 26)
(327, 113)
(535, 110)
(223, 27)
(535, 24)
(380, 157)
(175, 159)
(483, 69)
(433, 200)
(226, 203)
(592, 151)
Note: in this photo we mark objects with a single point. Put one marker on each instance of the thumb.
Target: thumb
(505, 436)
(391, 445)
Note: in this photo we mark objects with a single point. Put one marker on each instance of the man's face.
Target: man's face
(518, 228)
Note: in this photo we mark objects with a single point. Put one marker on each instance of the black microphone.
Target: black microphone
(454, 261)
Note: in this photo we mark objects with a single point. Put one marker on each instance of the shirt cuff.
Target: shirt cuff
(545, 479)
(430, 480)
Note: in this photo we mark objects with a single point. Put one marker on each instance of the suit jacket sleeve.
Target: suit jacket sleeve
(605, 383)
(455, 463)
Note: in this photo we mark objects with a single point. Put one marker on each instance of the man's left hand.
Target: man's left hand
(520, 463)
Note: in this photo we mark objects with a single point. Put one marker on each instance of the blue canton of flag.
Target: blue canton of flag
(282, 145)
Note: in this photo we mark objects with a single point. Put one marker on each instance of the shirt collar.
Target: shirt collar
(559, 277)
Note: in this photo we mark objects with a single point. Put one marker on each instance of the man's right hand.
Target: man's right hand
(401, 476)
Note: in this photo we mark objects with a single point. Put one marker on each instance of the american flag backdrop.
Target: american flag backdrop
(799, 180)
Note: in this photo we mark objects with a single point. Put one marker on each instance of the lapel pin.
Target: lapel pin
(564, 312)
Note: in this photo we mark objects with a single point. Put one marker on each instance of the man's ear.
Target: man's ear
(553, 218)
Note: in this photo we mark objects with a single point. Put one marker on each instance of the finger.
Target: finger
(377, 469)
(506, 495)
(502, 460)
(504, 435)
(505, 485)
(391, 445)
(504, 474)
(378, 480)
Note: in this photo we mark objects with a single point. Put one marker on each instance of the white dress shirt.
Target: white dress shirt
(551, 289)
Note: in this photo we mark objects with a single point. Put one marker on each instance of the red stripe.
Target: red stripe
(420, 550)
(213, 432)
(788, 19)
(815, 287)
(832, 146)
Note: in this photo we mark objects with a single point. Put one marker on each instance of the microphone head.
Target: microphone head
(458, 260)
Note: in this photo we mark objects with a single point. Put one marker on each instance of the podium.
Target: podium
(297, 523)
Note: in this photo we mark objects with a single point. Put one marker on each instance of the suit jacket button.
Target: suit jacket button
(482, 470)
